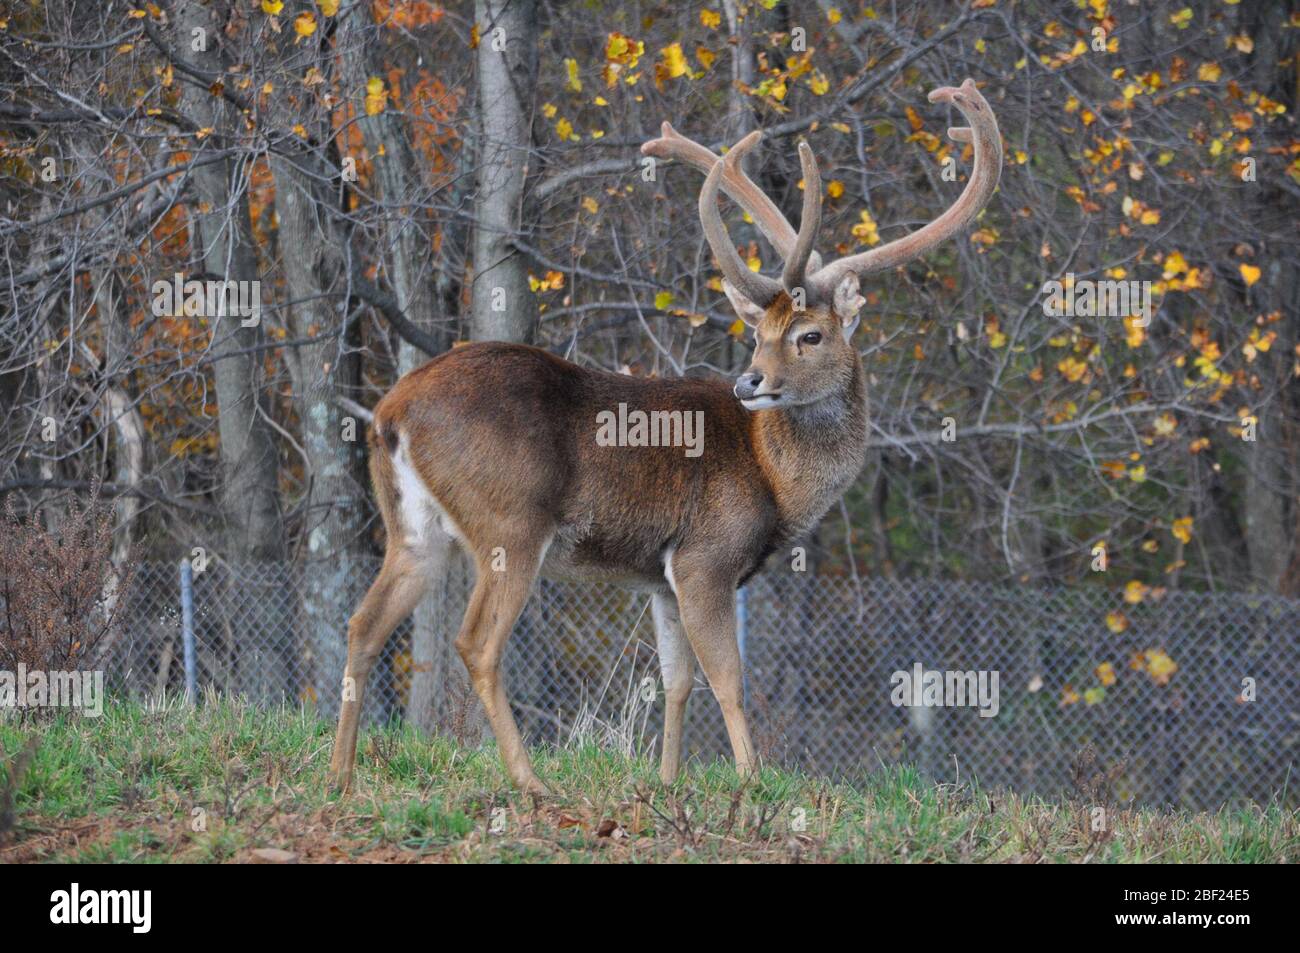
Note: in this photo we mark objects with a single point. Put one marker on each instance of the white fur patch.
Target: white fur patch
(668, 569)
(422, 518)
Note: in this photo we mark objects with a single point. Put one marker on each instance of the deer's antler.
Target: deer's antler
(774, 226)
(983, 132)
(810, 222)
(757, 288)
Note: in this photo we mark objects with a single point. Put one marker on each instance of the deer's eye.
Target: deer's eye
(812, 337)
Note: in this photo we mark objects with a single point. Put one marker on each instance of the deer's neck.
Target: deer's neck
(811, 453)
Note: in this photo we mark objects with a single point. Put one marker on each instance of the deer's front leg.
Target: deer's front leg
(706, 597)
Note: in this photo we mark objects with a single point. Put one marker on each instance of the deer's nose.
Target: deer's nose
(747, 385)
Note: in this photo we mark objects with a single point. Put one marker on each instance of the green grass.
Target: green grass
(217, 783)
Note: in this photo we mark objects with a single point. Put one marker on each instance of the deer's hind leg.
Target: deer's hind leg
(402, 582)
(677, 666)
(506, 572)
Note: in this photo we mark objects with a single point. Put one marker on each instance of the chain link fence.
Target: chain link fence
(1188, 700)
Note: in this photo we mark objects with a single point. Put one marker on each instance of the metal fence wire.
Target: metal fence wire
(1188, 700)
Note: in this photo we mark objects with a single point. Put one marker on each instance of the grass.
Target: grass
(223, 781)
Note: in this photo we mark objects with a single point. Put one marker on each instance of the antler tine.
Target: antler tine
(779, 232)
(983, 133)
(759, 289)
(796, 265)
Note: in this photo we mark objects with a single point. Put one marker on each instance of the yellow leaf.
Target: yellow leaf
(835, 188)
(1117, 622)
(1135, 591)
(754, 263)
(662, 300)
(272, 7)
(1160, 666)
(1138, 474)
(1072, 368)
(737, 329)
(1175, 264)
(1209, 72)
(590, 205)
(1182, 529)
(573, 84)
(564, 129)
(819, 84)
(1182, 19)
(328, 7)
(865, 230)
(674, 60)
(300, 130)
(376, 96)
(710, 18)
(705, 56)
(834, 16)
(1249, 274)
(1106, 673)
(304, 24)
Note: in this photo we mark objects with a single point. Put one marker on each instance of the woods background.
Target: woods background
(403, 177)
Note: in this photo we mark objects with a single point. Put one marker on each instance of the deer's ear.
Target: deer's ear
(847, 303)
(749, 312)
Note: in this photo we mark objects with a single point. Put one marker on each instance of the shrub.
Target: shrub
(61, 597)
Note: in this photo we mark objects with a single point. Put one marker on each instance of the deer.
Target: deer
(494, 447)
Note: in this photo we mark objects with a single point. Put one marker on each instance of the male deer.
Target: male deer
(494, 447)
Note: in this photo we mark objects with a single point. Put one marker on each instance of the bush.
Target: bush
(60, 594)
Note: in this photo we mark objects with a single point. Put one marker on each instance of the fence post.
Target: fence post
(742, 636)
(187, 631)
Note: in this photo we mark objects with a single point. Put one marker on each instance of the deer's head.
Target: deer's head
(803, 322)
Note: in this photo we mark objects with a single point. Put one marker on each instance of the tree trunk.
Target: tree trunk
(222, 236)
(1271, 486)
(426, 292)
(507, 77)
(331, 440)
